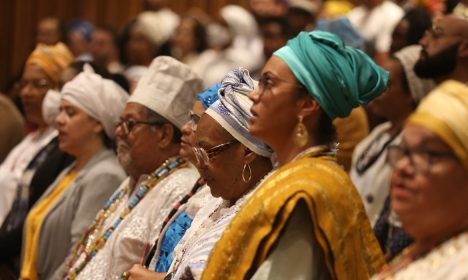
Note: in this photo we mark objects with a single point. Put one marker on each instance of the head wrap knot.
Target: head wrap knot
(338, 77)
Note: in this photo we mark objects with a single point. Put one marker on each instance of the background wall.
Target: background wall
(18, 20)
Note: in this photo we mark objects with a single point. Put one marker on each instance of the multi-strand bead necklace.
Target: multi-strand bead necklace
(92, 240)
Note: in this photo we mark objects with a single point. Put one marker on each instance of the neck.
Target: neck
(459, 74)
(425, 245)
(260, 168)
(287, 151)
(398, 120)
(83, 156)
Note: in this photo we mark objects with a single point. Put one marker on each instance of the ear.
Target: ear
(98, 128)
(166, 133)
(308, 107)
(463, 49)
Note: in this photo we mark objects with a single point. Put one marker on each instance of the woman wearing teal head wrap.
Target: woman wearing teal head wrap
(338, 77)
(306, 220)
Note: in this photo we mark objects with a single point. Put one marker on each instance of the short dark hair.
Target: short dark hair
(419, 21)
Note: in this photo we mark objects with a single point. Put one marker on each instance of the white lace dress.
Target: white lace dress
(128, 243)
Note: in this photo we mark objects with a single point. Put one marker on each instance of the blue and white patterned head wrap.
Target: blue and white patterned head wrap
(232, 110)
(209, 95)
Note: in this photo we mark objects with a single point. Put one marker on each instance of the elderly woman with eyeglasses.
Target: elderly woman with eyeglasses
(430, 187)
(231, 161)
(306, 220)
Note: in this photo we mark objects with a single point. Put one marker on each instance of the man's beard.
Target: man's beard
(438, 65)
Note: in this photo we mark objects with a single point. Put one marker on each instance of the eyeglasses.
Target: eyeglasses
(421, 160)
(203, 156)
(128, 125)
(194, 118)
(436, 32)
(265, 84)
(40, 84)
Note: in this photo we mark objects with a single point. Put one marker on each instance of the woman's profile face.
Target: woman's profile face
(188, 139)
(223, 171)
(429, 187)
(34, 85)
(75, 128)
(275, 112)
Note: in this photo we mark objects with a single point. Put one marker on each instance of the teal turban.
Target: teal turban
(338, 77)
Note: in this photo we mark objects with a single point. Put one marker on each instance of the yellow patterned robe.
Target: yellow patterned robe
(339, 222)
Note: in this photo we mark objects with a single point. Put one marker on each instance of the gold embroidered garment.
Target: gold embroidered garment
(340, 223)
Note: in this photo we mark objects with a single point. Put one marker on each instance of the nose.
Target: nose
(118, 131)
(403, 167)
(187, 128)
(424, 41)
(60, 118)
(255, 95)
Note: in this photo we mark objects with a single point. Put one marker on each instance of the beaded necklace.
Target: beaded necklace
(92, 241)
(200, 183)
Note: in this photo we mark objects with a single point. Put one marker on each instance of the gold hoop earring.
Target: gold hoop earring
(301, 136)
(250, 173)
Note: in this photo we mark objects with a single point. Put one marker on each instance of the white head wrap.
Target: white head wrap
(51, 106)
(408, 57)
(239, 20)
(232, 110)
(100, 98)
(169, 88)
(157, 26)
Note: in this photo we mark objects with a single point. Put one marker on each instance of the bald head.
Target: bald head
(454, 24)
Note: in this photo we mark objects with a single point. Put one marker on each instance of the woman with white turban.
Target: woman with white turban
(89, 109)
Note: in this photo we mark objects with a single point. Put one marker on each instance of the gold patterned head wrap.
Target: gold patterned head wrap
(52, 59)
(445, 112)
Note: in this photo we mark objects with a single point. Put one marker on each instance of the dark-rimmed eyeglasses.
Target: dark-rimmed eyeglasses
(421, 160)
(203, 156)
(128, 125)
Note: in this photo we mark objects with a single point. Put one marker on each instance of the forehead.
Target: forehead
(34, 71)
(451, 25)
(135, 111)
(418, 136)
(210, 131)
(277, 67)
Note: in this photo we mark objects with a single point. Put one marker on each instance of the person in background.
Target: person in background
(445, 51)
(189, 40)
(41, 73)
(306, 219)
(375, 20)
(430, 187)
(79, 35)
(12, 127)
(302, 15)
(50, 31)
(410, 29)
(370, 171)
(104, 49)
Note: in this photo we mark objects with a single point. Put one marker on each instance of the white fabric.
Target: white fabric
(202, 198)
(50, 106)
(127, 244)
(100, 98)
(193, 250)
(284, 261)
(447, 261)
(377, 25)
(11, 170)
(374, 184)
(408, 57)
(213, 65)
(168, 88)
(157, 26)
